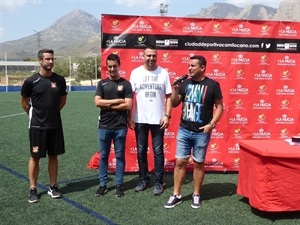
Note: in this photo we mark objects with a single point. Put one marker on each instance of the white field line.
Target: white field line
(17, 114)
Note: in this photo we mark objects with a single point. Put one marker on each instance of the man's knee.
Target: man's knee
(181, 163)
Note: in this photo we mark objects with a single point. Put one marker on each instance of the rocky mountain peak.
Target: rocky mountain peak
(218, 10)
(257, 12)
(68, 35)
(229, 11)
(288, 10)
(77, 24)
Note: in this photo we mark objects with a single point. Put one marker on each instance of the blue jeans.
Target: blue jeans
(157, 134)
(106, 136)
(189, 140)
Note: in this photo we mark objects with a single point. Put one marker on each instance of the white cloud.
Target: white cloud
(151, 4)
(14, 6)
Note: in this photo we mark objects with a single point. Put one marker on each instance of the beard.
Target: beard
(47, 67)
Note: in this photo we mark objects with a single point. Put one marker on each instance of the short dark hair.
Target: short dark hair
(113, 57)
(44, 50)
(200, 58)
(150, 47)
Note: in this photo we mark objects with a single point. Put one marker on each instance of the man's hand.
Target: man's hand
(164, 122)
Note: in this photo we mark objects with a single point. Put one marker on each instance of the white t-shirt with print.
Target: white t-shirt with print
(150, 88)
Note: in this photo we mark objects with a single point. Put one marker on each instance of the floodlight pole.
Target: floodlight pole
(70, 72)
(96, 68)
(6, 76)
(163, 9)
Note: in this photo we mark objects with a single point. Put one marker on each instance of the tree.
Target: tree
(62, 68)
(29, 59)
(87, 70)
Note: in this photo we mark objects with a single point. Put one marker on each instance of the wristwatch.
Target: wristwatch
(212, 125)
(169, 117)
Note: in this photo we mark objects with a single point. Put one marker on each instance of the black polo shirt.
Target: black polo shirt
(44, 94)
(113, 89)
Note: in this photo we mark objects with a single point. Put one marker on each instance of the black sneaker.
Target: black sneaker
(101, 191)
(173, 201)
(119, 191)
(196, 201)
(158, 189)
(141, 186)
(53, 192)
(33, 196)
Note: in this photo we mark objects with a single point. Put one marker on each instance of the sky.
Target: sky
(22, 18)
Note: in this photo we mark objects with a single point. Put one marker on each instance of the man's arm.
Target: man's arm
(25, 104)
(130, 116)
(107, 103)
(217, 115)
(165, 120)
(126, 105)
(218, 111)
(168, 104)
(63, 100)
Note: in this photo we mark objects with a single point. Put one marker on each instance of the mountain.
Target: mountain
(229, 11)
(218, 10)
(78, 34)
(75, 34)
(257, 12)
(288, 10)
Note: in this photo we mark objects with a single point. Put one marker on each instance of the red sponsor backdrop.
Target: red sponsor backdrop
(256, 63)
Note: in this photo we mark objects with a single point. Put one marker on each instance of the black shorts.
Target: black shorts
(44, 142)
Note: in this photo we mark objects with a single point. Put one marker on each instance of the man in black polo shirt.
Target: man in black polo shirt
(114, 97)
(43, 95)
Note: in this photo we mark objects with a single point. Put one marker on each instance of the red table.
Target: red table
(269, 174)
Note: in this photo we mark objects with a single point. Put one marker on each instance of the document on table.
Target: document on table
(292, 143)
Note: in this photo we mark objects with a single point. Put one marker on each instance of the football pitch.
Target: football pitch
(79, 206)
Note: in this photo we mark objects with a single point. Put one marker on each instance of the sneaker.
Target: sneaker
(173, 201)
(141, 186)
(101, 191)
(158, 189)
(119, 191)
(196, 201)
(33, 196)
(53, 192)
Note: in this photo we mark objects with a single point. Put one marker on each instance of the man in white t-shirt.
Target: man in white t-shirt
(152, 111)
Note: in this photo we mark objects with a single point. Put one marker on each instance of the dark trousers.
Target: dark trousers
(157, 134)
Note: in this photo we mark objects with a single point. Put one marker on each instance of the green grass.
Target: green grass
(221, 204)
